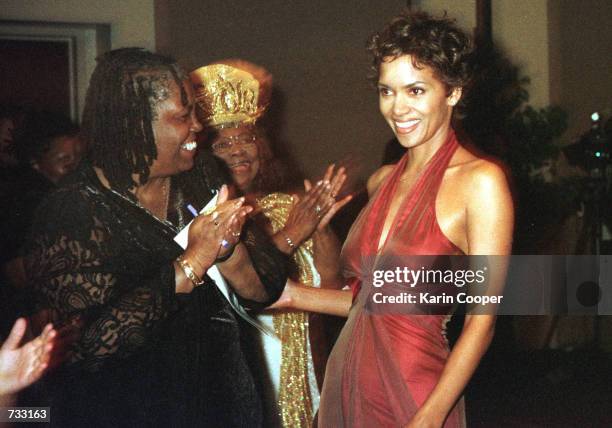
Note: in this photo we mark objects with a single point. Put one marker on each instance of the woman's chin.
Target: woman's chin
(243, 185)
(186, 165)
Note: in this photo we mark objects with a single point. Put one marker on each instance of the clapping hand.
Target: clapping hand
(316, 207)
(336, 181)
(21, 366)
(212, 235)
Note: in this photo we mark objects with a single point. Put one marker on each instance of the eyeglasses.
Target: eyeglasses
(225, 144)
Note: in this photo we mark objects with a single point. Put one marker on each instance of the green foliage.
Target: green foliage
(531, 135)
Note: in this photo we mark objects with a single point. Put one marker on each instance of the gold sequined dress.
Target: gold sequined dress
(292, 394)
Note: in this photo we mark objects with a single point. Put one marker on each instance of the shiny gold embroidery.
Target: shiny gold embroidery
(231, 94)
(294, 401)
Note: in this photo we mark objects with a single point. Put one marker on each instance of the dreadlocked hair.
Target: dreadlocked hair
(120, 107)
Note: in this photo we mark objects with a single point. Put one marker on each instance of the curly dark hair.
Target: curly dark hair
(119, 110)
(433, 42)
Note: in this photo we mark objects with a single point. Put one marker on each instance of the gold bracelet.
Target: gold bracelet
(289, 241)
(189, 272)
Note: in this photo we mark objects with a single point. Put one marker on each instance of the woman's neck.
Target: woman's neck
(421, 154)
(153, 195)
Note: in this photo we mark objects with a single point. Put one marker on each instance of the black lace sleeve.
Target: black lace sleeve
(78, 265)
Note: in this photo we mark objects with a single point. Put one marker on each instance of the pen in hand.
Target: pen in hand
(192, 210)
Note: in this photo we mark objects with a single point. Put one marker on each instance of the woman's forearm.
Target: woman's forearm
(320, 300)
(241, 274)
(462, 362)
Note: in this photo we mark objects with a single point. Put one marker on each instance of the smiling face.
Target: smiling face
(63, 156)
(414, 102)
(174, 127)
(237, 147)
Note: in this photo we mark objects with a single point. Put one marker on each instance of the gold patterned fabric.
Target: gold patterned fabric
(294, 402)
(231, 93)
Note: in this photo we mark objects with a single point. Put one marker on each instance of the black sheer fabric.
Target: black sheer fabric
(146, 356)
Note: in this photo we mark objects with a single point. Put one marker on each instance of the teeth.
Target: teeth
(190, 145)
(238, 164)
(407, 124)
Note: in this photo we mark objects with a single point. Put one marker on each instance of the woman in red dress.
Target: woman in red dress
(390, 369)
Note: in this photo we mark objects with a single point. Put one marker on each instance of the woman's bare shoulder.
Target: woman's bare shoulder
(378, 177)
(478, 173)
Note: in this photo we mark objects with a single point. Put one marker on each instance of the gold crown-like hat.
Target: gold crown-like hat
(232, 92)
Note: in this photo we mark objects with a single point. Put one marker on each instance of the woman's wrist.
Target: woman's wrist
(293, 293)
(198, 266)
(285, 242)
(426, 416)
(190, 273)
(226, 257)
(324, 232)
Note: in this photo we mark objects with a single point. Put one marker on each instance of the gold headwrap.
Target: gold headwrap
(232, 92)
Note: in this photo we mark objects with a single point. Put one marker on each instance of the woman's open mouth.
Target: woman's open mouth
(190, 146)
(407, 126)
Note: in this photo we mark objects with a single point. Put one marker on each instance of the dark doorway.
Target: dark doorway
(36, 73)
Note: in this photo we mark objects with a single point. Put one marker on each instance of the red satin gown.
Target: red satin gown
(384, 366)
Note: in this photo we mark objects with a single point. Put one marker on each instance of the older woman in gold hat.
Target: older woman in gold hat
(232, 96)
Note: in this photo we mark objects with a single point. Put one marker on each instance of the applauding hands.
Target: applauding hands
(21, 366)
(212, 236)
(314, 210)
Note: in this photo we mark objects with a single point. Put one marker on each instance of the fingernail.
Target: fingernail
(320, 182)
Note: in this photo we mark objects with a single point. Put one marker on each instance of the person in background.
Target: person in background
(49, 143)
(396, 369)
(158, 344)
(47, 148)
(233, 95)
(10, 120)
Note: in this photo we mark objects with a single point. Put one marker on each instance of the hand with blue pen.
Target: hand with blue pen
(212, 236)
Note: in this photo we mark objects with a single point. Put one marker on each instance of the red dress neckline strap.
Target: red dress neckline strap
(417, 201)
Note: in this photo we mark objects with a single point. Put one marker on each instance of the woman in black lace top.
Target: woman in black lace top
(157, 342)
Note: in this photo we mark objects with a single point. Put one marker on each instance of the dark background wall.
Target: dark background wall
(586, 61)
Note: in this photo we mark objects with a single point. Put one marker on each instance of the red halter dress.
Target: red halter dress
(384, 365)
